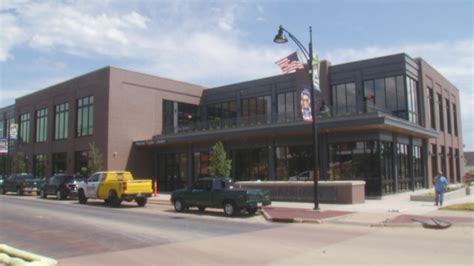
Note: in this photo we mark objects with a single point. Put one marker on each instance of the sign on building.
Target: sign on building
(3, 145)
(13, 131)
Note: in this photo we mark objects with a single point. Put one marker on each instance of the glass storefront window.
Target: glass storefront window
(39, 162)
(80, 163)
(293, 160)
(251, 164)
(59, 163)
(356, 161)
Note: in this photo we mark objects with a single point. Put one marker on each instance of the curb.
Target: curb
(269, 218)
(159, 202)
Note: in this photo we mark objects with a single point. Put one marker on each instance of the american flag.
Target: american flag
(290, 63)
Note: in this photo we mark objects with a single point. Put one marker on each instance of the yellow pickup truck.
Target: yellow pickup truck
(114, 187)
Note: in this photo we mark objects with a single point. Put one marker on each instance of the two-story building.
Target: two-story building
(393, 122)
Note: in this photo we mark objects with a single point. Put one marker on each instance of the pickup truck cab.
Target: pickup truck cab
(21, 183)
(114, 187)
(219, 193)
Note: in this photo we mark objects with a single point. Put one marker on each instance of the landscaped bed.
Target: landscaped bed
(460, 207)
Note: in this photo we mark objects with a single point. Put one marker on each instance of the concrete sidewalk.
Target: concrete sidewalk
(392, 210)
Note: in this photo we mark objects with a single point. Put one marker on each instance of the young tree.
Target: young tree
(20, 163)
(219, 164)
(95, 160)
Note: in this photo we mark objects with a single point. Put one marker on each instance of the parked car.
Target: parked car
(61, 185)
(303, 176)
(21, 183)
(219, 193)
(114, 187)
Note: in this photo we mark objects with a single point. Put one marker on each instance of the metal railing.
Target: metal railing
(235, 122)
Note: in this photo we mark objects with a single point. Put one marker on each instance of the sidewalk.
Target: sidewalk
(392, 210)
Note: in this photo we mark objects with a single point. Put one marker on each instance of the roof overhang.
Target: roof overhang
(342, 124)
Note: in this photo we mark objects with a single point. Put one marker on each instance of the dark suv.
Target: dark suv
(61, 185)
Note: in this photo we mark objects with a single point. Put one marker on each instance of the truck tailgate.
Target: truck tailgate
(138, 186)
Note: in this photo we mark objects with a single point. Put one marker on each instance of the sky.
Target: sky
(214, 43)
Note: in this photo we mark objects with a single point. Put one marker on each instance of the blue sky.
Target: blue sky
(214, 43)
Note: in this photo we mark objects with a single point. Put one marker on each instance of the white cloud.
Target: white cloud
(10, 35)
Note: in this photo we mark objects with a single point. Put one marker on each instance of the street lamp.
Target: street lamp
(281, 38)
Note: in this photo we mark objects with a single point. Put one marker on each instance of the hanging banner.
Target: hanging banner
(13, 131)
(306, 104)
(3, 145)
(315, 63)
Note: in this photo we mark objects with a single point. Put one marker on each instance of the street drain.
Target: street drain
(177, 217)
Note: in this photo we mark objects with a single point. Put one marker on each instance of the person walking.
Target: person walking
(440, 184)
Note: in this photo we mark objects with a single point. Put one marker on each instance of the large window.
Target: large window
(256, 110)
(431, 104)
(201, 164)
(80, 163)
(344, 98)
(39, 163)
(356, 161)
(179, 117)
(251, 164)
(293, 160)
(59, 163)
(61, 112)
(286, 106)
(440, 112)
(455, 120)
(386, 171)
(418, 166)
(172, 171)
(386, 95)
(434, 161)
(412, 101)
(403, 170)
(25, 128)
(85, 116)
(220, 111)
(448, 116)
(2, 128)
(41, 125)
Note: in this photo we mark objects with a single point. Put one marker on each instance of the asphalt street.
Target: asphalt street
(94, 234)
(62, 229)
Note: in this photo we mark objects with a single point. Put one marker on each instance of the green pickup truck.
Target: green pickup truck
(219, 193)
(21, 183)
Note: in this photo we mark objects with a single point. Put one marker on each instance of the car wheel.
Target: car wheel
(229, 208)
(114, 201)
(201, 209)
(141, 202)
(252, 211)
(42, 194)
(59, 196)
(81, 197)
(19, 191)
(179, 205)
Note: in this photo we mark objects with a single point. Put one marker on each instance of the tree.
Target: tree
(95, 160)
(219, 164)
(20, 163)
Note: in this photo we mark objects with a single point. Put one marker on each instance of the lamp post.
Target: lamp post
(281, 38)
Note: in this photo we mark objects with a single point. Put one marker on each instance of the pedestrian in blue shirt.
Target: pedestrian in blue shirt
(440, 184)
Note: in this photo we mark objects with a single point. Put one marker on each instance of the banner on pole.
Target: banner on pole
(315, 63)
(306, 104)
